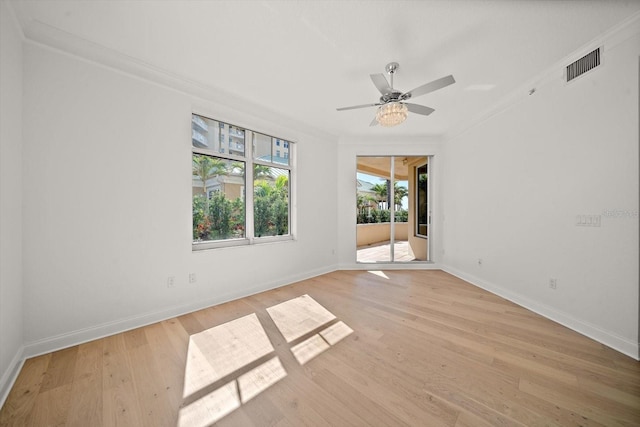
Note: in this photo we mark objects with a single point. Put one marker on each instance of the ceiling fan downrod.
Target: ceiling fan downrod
(391, 68)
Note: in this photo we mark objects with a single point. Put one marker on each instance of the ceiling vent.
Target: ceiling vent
(588, 62)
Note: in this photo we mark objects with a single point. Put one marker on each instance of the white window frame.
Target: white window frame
(249, 161)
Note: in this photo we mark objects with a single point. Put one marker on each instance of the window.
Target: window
(228, 161)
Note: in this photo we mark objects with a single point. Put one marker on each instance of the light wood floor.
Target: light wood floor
(427, 350)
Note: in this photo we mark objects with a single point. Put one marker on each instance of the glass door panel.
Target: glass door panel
(373, 229)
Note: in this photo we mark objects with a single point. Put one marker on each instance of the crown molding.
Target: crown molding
(51, 37)
(13, 17)
(621, 32)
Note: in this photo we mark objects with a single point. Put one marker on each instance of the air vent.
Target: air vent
(588, 62)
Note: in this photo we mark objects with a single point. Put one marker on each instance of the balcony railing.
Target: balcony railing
(198, 139)
(196, 120)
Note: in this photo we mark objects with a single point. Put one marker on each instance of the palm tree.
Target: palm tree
(399, 193)
(381, 192)
(205, 168)
(237, 168)
(262, 172)
(282, 184)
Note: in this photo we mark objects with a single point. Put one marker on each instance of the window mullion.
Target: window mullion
(292, 190)
(212, 153)
(249, 190)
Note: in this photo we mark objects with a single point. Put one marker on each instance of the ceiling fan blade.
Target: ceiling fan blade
(357, 106)
(419, 109)
(381, 83)
(429, 87)
(374, 122)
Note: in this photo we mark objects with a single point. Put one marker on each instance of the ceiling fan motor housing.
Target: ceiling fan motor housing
(391, 97)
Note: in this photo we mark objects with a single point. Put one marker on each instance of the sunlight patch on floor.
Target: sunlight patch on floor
(336, 332)
(259, 379)
(379, 273)
(309, 348)
(230, 364)
(210, 408)
(222, 350)
(299, 316)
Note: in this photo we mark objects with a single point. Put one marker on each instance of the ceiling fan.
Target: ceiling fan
(393, 109)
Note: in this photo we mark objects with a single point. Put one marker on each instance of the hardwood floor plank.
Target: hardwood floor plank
(426, 349)
(592, 406)
(86, 405)
(263, 408)
(24, 393)
(151, 389)
(394, 394)
(466, 419)
(367, 409)
(135, 338)
(191, 324)
(60, 369)
(297, 411)
(169, 361)
(120, 404)
(51, 407)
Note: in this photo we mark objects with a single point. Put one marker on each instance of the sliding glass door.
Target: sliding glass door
(390, 209)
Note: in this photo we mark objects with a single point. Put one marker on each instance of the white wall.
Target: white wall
(387, 144)
(11, 331)
(515, 183)
(107, 205)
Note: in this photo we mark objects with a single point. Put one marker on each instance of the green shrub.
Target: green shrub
(381, 215)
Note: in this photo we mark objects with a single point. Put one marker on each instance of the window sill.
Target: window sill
(233, 243)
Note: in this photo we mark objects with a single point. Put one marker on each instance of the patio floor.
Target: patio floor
(381, 252)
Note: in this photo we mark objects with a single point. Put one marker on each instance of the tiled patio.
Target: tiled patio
(381, 253)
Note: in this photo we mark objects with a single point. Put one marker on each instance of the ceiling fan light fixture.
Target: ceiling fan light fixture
(392, 114)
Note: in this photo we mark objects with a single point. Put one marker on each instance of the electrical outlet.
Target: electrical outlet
(479, 261)
(171, 282)
(553, 284)
(192, 278)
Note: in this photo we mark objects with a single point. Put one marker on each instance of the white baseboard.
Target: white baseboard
(58, 342)
(10, 375)
(594, 332)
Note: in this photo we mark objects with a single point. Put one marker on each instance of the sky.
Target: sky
(376, 180)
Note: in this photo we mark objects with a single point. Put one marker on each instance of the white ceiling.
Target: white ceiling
(302, 59)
